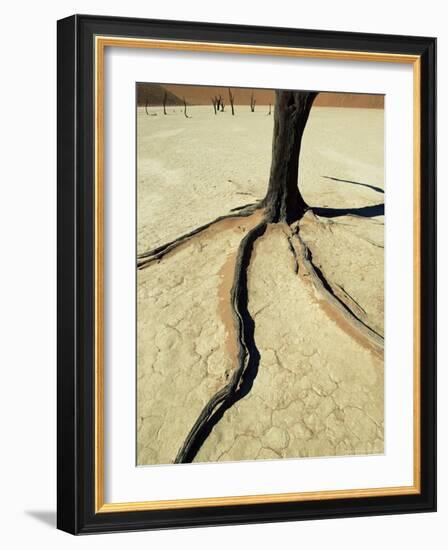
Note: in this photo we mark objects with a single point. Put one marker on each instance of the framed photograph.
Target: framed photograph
(246, 274)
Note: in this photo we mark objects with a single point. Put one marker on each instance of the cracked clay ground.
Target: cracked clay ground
(317, 389)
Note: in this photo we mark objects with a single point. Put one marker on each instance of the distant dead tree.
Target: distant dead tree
(165, 96)
(231, 99)
(185, 109)
(252, 102)
(218, 103)
(146, 106)
(269, 109)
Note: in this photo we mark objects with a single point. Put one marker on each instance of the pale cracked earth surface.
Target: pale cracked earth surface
(317, 392)
(359, 279)
(184, 353)
(319, 389)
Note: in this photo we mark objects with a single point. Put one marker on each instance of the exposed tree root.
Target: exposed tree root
(150, 256)
(367, 334)
(345, 297)
(242, 379)
(293, 251)
(244, 206)
(248, 355)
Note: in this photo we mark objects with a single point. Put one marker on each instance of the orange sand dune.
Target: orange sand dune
(201, 95)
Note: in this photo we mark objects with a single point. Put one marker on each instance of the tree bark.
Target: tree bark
(283, 200)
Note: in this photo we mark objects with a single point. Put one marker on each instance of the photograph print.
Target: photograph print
(260, 274)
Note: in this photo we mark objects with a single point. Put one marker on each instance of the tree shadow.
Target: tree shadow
(363, 211)
(373, 187)
(48, 517)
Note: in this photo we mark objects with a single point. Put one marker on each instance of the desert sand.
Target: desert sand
(318, 389)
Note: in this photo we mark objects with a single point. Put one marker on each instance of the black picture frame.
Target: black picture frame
(76, 255)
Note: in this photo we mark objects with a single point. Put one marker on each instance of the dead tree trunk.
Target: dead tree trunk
(283, 200)
(252, 102)
(146, 106)
(185, 108)
(231, 99)
(164, 102)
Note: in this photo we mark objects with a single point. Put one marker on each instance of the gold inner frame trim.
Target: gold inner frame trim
(101, 42)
